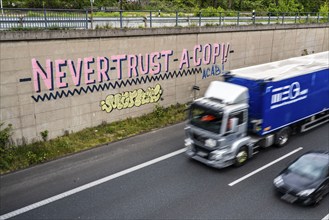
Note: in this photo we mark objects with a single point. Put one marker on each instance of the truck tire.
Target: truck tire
(282, 137)
(241, 157)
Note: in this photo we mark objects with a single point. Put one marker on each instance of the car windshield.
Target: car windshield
(205, 118)
(309, 166)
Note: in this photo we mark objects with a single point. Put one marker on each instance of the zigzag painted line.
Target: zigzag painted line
(116, 84)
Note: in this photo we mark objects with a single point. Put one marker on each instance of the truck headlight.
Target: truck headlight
(210, 143)
(188, 142)
(306, 192)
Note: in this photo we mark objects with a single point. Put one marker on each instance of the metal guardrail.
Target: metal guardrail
(87, 19)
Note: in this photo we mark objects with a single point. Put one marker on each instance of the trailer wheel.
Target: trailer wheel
(241, 157)
(282, 137)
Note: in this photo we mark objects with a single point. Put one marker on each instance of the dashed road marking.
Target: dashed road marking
(326, 217)
(264, 167)
(88, 185)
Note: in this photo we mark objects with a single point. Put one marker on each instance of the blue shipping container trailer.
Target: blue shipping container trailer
(257, 107)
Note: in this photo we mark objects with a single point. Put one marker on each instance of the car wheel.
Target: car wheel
(241, 157)
(315, 202)
(321, 195)
(310, 202)
(282, 137)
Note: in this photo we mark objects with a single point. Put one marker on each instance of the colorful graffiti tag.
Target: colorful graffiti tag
(130, 99)
(63, 78)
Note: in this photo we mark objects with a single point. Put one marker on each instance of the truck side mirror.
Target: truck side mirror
(233, 125)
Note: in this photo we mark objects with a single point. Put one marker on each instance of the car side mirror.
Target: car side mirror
(233, 122)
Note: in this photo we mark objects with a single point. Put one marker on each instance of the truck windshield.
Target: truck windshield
(205, 118)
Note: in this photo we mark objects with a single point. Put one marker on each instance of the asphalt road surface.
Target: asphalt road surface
(149, 177)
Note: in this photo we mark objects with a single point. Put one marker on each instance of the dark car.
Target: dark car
(305, 180)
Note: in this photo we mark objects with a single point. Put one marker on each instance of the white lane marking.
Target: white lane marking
(326, 217)
(264, 167)
(88, 185)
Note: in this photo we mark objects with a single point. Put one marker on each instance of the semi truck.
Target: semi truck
(257, 107)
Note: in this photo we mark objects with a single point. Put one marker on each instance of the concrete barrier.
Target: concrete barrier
(67, 80)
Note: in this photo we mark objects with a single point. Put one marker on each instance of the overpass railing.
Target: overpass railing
(105, 19)
(42, 18)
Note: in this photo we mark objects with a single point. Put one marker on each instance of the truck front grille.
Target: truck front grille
(199, 139)
(202, 152)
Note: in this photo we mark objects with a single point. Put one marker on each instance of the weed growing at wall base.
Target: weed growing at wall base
(5, 134)
(18, 157)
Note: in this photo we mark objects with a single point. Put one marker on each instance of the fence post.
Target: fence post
(121, 19)
(86, 18)
(307, 18)
(21, 21)
(317, 20)
(45, 15)
(269, 18)
(150, 19)
(91, 14)
(200, 19)
(253, 16)
(237, 22)
(282, 17)
(296, 17)
(220, 18)
(176, 18)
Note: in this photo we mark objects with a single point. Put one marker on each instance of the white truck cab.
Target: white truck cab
(217, 129)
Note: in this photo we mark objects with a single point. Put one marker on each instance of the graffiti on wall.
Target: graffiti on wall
(214, 70)
(60, 78)
(131, 99)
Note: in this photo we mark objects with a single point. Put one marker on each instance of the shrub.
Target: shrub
(324, 11)
(208, 12)
(5, 135)
(17, 157)
(44, 135)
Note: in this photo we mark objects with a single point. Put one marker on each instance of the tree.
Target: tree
(249, 5)
(229, 4)
(171, 5)
(215, 3)
(312, 6)
(286, 6)
(324, 10)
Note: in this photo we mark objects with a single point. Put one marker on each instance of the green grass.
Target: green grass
(18, 157)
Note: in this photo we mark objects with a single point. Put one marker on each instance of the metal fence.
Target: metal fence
(43, 18)
(87, 19)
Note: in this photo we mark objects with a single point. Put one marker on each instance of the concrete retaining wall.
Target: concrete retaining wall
(64, 81)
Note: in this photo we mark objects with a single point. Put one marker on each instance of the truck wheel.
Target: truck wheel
(282, 137)
(241, 157)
